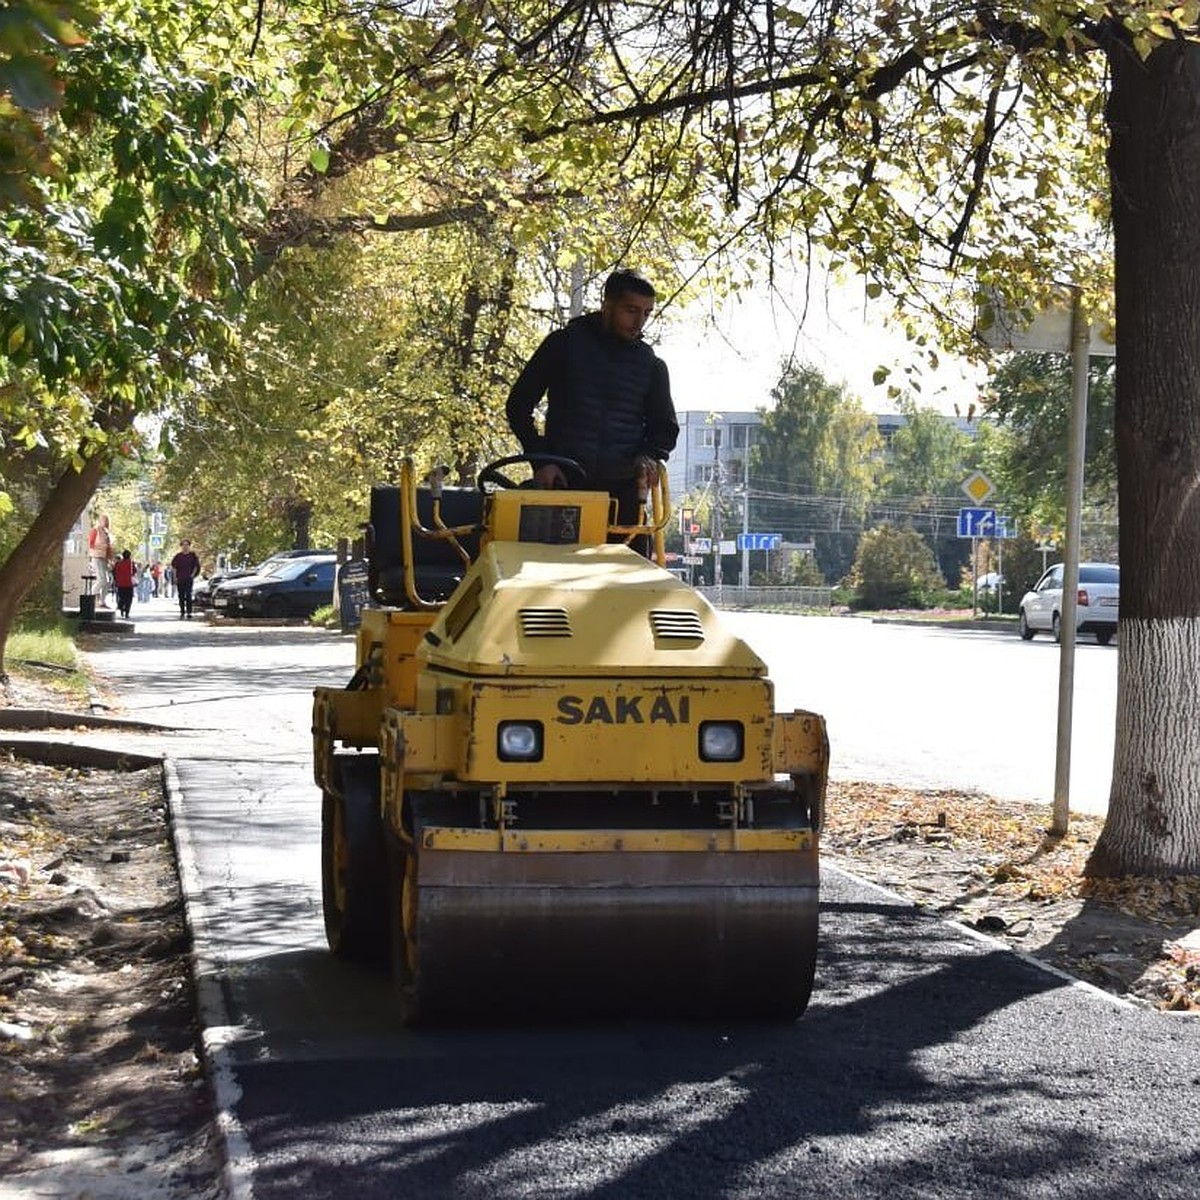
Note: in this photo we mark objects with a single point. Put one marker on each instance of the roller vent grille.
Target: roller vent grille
(545, 622)
(671, 624)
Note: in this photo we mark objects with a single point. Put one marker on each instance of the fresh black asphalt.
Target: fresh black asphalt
(931, 1063)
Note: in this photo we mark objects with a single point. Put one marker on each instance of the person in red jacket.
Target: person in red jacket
(124, 577)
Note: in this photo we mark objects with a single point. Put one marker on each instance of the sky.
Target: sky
(730, 360)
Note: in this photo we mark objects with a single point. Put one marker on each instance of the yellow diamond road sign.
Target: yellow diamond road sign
(978, 486)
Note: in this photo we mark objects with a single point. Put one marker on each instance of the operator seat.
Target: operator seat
(437, 566)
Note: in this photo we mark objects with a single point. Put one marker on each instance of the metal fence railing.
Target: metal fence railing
(757, 597)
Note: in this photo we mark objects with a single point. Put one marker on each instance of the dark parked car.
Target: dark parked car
(291, 588)
(205, 589)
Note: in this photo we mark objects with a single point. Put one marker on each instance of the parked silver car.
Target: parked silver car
(1097, 607)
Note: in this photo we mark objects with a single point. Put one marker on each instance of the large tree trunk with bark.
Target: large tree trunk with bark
(24, 566)
(1153, 825)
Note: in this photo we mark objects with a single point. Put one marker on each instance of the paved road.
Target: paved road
(930, 707)
(931, 1063)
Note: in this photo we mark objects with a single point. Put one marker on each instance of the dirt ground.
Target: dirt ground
(102, 1088)
(993, 865)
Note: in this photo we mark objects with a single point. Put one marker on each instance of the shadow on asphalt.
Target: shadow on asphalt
(738, 1110)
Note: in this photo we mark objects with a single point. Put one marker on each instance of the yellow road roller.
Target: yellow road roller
(555, 784)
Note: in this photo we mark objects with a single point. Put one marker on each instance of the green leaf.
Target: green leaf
(29, 79)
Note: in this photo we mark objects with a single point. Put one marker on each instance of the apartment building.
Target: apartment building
(693, 463)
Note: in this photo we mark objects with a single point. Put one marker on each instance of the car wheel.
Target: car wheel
(1023, 627)
(276, 606)
(1056, 627)
(1104, 637)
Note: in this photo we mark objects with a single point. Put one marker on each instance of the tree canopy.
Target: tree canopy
(1031, 403)
(815, 465)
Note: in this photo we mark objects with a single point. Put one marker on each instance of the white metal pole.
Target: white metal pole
(1000, 578)
(974, 577)
(717, 530)
(1076, 447)
(745, 539)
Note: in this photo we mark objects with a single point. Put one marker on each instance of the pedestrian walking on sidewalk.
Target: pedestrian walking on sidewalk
(124, 577)
(185, 566)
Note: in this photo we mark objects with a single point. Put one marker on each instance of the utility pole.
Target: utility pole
(716, 520)
(746, 516)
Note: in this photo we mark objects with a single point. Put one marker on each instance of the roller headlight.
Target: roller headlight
(519, 741)
(721, 741)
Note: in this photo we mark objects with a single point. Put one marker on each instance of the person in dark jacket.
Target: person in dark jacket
(608, 399)
(185, 566)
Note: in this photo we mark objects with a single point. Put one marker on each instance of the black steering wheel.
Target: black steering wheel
(493, 475)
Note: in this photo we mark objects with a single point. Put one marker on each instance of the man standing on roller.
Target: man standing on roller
(608, 399)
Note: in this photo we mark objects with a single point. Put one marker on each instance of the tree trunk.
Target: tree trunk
(1153, 825)
(24, 566)
(299, 518)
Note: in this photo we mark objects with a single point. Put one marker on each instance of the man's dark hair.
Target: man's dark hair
(624, 280)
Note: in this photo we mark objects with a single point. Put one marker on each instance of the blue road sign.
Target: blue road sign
(1003, 528)
(976, 522)
(759, 541)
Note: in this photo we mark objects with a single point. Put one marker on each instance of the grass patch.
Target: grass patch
(47, 654)
(326, 617)
(45, 644)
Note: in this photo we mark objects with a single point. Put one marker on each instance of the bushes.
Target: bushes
(895, 568)
(800, 570)
(43, 603)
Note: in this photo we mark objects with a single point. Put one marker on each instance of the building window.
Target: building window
(703, 473)
(704, 437)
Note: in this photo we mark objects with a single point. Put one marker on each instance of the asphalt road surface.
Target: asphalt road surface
(931, 1063)
(929, 707)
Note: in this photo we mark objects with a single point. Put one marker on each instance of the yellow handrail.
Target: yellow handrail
(660, 513)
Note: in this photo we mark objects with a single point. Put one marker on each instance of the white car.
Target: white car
(1097, 607)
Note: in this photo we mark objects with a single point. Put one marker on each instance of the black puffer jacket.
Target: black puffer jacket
(608, 400)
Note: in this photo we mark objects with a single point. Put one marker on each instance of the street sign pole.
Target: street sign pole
(1000, 578)
(1076, 446)
(745, 539)
(1051, 332)
(717, 531)
(975, 581)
